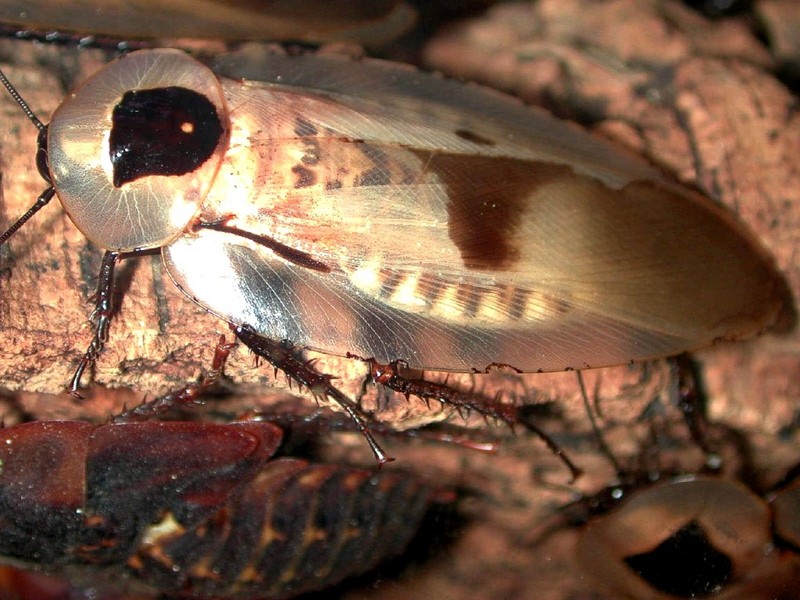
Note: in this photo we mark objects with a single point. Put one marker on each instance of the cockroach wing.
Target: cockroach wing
(456, 229)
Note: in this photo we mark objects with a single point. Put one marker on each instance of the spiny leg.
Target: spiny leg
(104, 309)
(186, 396)
(282, 357)
(389, 376)
(101, 315)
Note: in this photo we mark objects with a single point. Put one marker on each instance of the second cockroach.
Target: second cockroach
(361, 208)
(189, 509)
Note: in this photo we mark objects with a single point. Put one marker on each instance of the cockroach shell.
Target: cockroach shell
(58, 474)
(136, 211)
(462, 229)
(370, 22)
(295, 528)
(736, 524)
(455, 227)
(196, 509)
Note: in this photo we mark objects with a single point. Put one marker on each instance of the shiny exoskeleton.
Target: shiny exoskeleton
(364, 208)
(195, 508)
(666, 535)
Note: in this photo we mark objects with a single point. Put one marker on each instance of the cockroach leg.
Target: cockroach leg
(491, 408)
(692, 401)
(600, 439)
(291, 415)
(283, 358)
(103, 309)
(298, 257)
(185, 396)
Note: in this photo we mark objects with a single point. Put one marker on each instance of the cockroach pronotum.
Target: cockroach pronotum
(194, 509)
(695, 537)
(361, 208)
(666, 534)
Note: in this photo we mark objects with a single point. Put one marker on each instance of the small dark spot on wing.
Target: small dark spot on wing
(304, 128)
(469, 296)
(305, 177)
(471, 136)
(375, 176)
(431, 287)
(517, 302)
(391, 280)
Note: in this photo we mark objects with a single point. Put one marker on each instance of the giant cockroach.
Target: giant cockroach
(195, 509)
(367, 209)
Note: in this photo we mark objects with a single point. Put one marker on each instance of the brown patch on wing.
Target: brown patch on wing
(305, 177)
(487, 196)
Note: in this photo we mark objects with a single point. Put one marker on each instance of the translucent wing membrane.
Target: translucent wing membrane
(455, 240)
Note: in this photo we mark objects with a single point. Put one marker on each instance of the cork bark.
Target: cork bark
(701, 99)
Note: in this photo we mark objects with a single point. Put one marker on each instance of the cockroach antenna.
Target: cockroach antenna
(23, 105)
(41, 162)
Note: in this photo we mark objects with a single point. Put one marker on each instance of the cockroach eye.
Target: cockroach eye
(133, 156)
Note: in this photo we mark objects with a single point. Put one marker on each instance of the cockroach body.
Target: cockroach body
(661, 536)
(696, 536)
(195, 509)
(363, 208)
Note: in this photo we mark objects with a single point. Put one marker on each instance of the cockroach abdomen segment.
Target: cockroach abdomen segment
(294, 528)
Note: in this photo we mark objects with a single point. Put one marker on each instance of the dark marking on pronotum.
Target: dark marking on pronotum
(305, 177)
(702, 570)
(333, 185)
(303, 128)
(487, 198)
(471, 136)
(162, 131)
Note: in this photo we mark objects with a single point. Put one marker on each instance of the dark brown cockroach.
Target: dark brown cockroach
(366, 208)
(193, 509)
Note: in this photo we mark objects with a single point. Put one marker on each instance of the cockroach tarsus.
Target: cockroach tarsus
(282, 358)
(535, 247)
